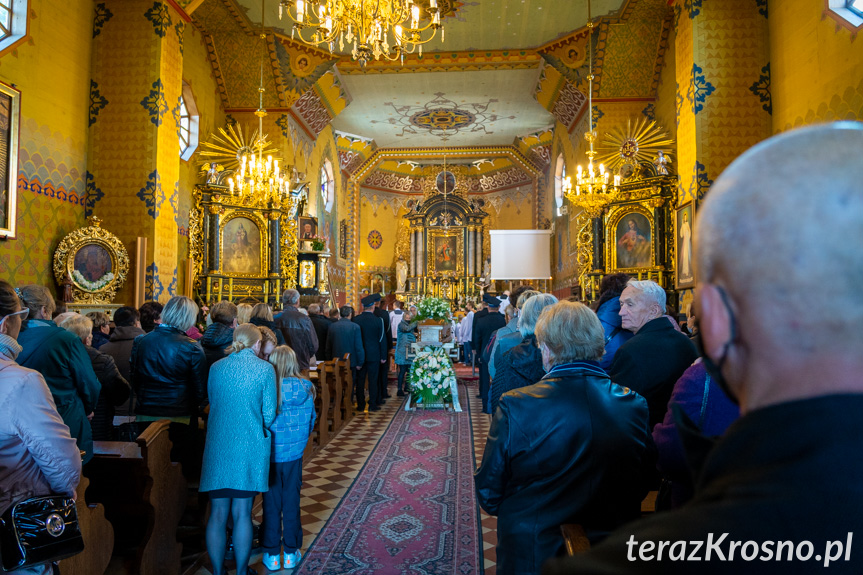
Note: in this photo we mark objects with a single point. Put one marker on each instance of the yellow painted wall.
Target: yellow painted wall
(666, 95)
(816, 66)
(52, 71)
(198, 72)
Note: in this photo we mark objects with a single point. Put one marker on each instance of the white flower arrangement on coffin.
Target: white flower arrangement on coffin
(92, 285)
(432, 378)
(433, 308)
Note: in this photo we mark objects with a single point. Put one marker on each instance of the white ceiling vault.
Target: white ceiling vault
(477, 108)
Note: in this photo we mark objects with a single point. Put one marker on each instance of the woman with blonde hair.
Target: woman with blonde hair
(269, 342)
(242, 390)
(262, 316)
(244, 313)
(291, 429)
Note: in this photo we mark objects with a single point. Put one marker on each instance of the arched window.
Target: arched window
(328, 192)
(849, 13)
(187, 128)
(13, 22)
(559, 177)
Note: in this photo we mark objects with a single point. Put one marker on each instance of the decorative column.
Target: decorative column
(215, 244)
(134, 152)
(469, 255)
(413, 258)
(323, 280)
(275, 244)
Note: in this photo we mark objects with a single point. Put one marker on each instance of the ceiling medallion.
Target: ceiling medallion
(443, 118)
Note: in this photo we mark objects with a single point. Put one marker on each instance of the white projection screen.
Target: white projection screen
(520, 254)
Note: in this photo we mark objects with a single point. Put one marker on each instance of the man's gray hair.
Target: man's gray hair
(290, 297)
(651, 290)
(531, 310)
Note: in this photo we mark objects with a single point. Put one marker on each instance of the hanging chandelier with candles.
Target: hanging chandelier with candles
(594, 187)
(367, 24)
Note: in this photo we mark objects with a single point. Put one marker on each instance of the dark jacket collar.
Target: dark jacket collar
(218, 335)
(659, 324)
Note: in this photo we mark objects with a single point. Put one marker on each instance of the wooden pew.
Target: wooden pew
(322, 403)
(144, 495)
(347, 388)
(334, 407)
(574, 538)
(98, 538)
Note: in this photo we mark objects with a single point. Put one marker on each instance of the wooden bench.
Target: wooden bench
(333, 412)
(576, 540)
(144, 495)
(347, 388)
(98, 538)
(322, 404)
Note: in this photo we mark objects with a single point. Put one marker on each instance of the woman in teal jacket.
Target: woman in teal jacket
(63, 361)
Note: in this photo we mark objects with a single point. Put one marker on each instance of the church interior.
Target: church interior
(234, 149)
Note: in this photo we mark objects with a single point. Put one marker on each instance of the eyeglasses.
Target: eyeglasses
(21, 312)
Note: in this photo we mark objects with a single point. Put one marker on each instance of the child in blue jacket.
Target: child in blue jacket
(295, 418)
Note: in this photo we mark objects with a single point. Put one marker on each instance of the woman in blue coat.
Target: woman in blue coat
(608, 311)
(63, 361)
(242, 389)
(406, 336)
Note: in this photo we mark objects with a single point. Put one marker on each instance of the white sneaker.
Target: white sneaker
(271, 562)
(291, 560)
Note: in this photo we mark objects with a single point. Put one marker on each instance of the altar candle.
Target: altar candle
(230, 289)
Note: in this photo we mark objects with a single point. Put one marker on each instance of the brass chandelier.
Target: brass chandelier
(594, 189)
(367, 24)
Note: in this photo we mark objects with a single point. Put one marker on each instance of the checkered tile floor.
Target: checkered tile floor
(327, 477)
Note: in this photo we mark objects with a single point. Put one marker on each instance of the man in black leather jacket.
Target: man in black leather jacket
(168, 367)
(572, 448)
(297, 329)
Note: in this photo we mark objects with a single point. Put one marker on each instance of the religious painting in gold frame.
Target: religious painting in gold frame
(93, 262)
(10, 113)
(445, 252)
(307, 274)
(684, 227)
(243, 244)
(629, 234)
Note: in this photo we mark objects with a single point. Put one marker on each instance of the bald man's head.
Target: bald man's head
(782, 232)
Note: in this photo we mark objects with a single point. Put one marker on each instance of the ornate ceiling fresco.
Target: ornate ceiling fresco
(490, 107)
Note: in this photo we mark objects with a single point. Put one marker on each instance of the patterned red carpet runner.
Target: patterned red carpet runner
(412, 509)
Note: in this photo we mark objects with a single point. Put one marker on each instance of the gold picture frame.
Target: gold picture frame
(10, 116)
(94, 261)
(250, 259)
(630, 245)
(438, 240)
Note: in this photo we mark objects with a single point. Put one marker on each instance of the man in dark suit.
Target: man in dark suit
(654, 359)
(297, 328)
(384, 372)
(483, 326)
(375, 348)
(322, 325)
(344, 336)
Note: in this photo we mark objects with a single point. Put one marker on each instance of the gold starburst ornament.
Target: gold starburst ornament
(640, 141)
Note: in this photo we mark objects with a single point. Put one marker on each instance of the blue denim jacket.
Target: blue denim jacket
(295, 420)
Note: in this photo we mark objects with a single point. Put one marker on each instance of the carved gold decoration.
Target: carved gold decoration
(289, 251)
(638, 142)
(196, 236)
(234, 143)
(428, 182)
(92, 235)
(584, 253)
(403, 241)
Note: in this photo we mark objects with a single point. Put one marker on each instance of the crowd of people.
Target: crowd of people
(743, 416)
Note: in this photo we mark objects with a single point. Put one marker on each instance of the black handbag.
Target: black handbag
(39, 530)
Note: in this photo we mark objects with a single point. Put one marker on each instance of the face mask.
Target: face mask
(714, 369)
